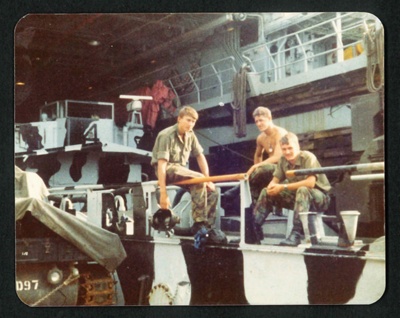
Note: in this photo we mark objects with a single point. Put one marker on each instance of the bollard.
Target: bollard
(349, 228)
(310, 227)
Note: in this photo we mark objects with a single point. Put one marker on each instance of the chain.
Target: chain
(96, 291)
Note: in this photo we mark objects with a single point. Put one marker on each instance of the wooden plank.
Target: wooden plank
(308, 146)
(337, 152)
(333, 142)
(332, 133)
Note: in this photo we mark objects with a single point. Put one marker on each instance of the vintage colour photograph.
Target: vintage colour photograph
(199, 159)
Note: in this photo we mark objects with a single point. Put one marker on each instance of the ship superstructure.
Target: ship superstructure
(322, 76)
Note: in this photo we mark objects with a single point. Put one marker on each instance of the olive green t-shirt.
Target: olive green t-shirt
(305, 160)
(170, 146)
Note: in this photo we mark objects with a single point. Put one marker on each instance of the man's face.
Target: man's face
(290, 151)
(186, 123)
(262, 122)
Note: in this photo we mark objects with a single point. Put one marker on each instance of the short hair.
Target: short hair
(188, 111)
(262, 111)
(289, 136)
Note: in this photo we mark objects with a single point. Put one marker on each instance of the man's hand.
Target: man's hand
(164, 201)
(274, 188)
(251, 170)
(210, 186)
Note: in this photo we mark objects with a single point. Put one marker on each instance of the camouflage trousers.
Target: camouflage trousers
(259, 179)
(301, 200)
(204, 201)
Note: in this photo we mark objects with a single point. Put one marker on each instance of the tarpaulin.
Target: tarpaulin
(101, 245)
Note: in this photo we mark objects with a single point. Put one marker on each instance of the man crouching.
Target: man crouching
(298, 193)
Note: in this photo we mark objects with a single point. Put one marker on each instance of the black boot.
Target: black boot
(196, 227)
(278, 211)
(292, 240)
(253, 231)
(258, 233)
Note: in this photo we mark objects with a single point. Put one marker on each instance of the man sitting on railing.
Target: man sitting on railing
(298, 193)
(170, 156)
(267, 142)
(260, 173)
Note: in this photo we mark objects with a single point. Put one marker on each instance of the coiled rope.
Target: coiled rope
(374, 47)
(239, 84)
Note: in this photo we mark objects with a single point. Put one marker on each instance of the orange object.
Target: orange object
(228, 177)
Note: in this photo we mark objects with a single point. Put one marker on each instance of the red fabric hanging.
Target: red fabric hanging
(162, 95)
(149, 108)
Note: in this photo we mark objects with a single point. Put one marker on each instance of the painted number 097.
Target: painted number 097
(27, 284)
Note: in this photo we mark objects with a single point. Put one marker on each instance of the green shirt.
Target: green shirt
(170, 146)
(305, 160)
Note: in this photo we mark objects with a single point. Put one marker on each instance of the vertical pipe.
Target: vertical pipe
(125, 135)
(339, 42)
(245, 203)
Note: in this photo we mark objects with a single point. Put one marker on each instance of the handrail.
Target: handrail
(362, 167)
(212, 71)
(307, 53)
(270, 63)
(315, 25)
(222, 178)
(369, 177)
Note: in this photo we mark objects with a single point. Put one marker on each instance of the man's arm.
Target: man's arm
(162, 182)
(273, 182)
(203, 165)
(258, 154)
(276, 153)
(276, 188)
(309, 182)
(272, 158)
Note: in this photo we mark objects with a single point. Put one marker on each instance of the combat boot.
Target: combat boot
(278, 211)
(197, 226)
(292, 240)
(258, 233)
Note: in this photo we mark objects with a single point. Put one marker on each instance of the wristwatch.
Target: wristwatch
(285, 187)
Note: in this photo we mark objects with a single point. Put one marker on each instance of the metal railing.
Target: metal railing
(206, 82)
(337, 38)
(331, 41)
